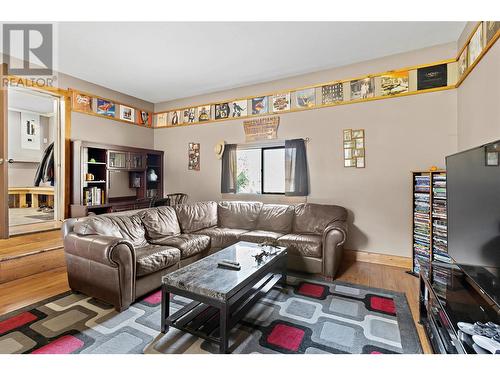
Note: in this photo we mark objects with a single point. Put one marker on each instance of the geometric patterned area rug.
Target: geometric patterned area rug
(309, 316)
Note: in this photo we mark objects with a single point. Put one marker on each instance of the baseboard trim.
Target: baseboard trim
(385, 259)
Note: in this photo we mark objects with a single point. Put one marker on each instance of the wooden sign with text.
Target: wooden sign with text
(261, 129)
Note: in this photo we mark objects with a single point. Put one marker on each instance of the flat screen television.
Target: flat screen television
(473, 201)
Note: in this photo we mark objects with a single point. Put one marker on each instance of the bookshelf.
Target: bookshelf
(429, 220)
(108, 178)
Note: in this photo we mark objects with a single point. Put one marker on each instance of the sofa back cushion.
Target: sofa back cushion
(276, 218)
(196, 216)
(160, 222)
(238, 215)
(122, 226)
(314, 218)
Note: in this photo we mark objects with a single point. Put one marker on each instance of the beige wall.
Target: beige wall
(96, 129)
(479, 102)
(402, 134)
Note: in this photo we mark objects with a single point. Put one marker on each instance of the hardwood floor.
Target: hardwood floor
(32, 289)
(34, 242)
(30, 254)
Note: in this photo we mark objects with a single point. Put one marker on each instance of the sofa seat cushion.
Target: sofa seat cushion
(258, 236)
(188, 244)
(222, 237)
(152, 258)
(160, 222)
(308, 245)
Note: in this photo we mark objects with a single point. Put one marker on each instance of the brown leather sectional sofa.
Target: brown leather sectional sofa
(120, 257)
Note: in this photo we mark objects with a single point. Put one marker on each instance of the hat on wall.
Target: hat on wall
(219, 149)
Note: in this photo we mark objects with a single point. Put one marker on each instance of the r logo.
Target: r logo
(28, 48)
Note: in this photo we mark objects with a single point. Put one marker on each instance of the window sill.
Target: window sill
(264, 198)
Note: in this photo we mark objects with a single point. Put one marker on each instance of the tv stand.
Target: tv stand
(449, 296)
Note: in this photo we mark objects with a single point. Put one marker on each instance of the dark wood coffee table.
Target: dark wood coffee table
(221, 297)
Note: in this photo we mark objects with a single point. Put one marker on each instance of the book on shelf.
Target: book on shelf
(93, 196)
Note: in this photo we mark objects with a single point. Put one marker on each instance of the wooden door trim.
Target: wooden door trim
(4, 184)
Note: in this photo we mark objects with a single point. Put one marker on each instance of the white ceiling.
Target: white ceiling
(167, 60)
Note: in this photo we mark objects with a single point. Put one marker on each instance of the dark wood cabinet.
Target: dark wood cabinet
(110, 178)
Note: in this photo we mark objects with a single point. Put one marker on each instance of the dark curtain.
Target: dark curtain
(228, 178)
(296, 174)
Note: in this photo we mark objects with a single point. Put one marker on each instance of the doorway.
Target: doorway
(35, 155)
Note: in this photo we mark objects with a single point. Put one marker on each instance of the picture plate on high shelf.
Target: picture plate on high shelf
(174, 118)
(332, 93)
(204, 113)
(82, 102)
(281, 102)
(490, 29)
(144, 118)
(260, 105)
(475, 45)
(188, 116)
(305, 98)
(127, 113)
(462, 62)
(432, 76)
(394, 83)
(161, 119)
(105, 107)
(238, 108)
(221, 111)
(362, 88)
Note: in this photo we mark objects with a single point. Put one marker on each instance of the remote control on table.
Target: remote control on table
(230, 266)
(230, 262)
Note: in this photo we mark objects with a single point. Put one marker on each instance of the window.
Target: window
(261, 170)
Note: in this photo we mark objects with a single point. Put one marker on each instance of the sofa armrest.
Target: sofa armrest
(334, 237)
(340, 226)
(102, 266)
(101, 249)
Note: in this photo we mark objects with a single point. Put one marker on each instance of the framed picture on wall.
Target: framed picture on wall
(360, 162)
(358, 133)
(260, 105)
(30, 131)
(347, 134)
(238, 108)
(127, 113)
(305, 98)
(194, 156)
(349, 163)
